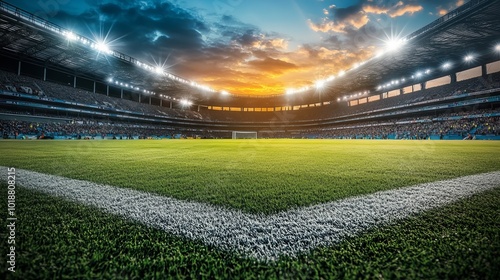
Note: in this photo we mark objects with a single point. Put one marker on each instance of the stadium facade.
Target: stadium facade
(444, 83)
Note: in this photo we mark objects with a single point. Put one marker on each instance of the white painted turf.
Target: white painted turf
(264, 237)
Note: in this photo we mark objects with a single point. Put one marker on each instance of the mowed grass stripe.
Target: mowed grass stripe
(256, 176)
(263, 237)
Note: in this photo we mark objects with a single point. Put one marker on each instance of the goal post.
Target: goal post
(244, 135)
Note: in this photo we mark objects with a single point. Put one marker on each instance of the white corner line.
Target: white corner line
(264, 237)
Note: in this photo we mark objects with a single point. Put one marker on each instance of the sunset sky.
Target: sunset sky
(251, 47)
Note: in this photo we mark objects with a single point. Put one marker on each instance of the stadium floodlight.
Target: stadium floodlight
(224, 92)
(469, 58)
(102, 47)
(497, 48)
(428, 71)
(185, 102)
(331, 78)
(446, 65)
(320, 84)
(342, 73)
(158, 70)
(418, 75)
(110, 80)
(205, 88)
(70, 35)
(395, 44)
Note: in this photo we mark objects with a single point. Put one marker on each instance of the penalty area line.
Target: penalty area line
(263, 237)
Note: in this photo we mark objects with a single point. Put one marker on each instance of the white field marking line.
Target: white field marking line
(264, 237)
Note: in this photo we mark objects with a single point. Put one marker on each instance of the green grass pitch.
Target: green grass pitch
(61, 239)
(261, 176)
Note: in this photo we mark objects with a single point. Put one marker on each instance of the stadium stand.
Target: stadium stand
(337, 118)
(58, 97)
(56, 91)
(483, 124)
(98, 129)
(457, 91)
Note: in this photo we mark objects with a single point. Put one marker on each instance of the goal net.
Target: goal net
(244, 134)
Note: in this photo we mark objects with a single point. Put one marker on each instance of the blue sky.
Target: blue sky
(245, 46)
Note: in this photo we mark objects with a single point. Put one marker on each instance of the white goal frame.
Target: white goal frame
(244, 135)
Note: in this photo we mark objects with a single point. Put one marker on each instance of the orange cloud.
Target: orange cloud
(272, 75)
(264, 66)
(409, 9)
(360, 19)
(375, 10)
(272, 66)
(326, 26)
(277, 43)
(396, 11)
(357, 20)
(441, 11)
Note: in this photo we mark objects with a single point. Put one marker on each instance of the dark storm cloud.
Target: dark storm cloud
(246, 39)
(153, 28)
(341, 14)
(110, 9)
(237, 32)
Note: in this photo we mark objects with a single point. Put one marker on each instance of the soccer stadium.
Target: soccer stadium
(250, 140)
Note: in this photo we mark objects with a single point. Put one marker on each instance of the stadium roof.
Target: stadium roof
(474, 27)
